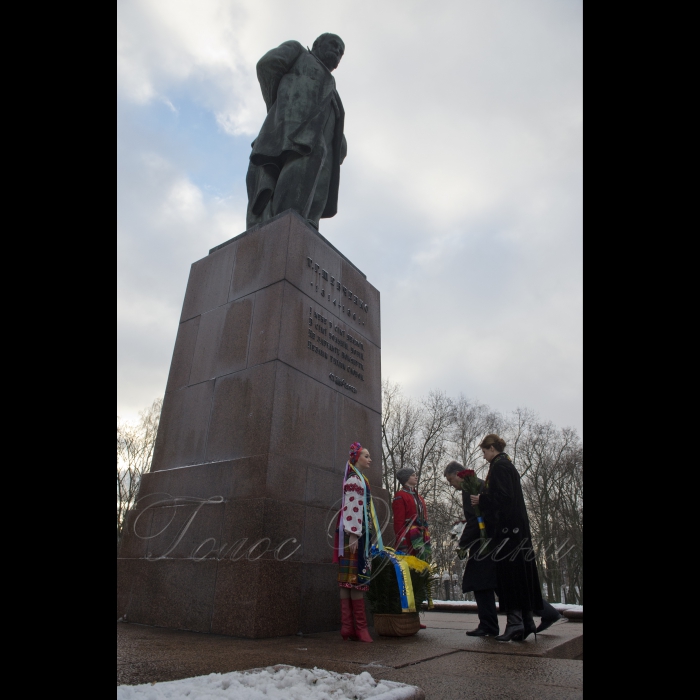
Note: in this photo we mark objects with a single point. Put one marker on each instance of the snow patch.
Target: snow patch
(272, 683)
(456, 603)
(462, 603)
(573, 608)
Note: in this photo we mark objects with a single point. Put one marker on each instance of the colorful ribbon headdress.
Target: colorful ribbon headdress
(355, 452)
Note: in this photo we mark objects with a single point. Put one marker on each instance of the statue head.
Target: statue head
(329, 49)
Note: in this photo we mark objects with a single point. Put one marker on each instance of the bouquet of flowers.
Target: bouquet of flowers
(396, 589)
(470, 484)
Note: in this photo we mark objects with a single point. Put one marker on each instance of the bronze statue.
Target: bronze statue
(295, 162)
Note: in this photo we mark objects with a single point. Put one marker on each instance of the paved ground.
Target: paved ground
(443, 661)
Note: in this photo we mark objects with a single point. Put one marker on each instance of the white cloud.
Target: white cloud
(461, 190)
(165, 222)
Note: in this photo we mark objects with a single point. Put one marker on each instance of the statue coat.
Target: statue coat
(300, 95)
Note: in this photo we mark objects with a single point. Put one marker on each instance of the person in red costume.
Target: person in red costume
(411, 518)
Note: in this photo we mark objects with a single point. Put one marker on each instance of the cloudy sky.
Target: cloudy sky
(460, 197)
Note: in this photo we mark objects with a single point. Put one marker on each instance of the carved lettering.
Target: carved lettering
(356, 342)
(341, 382)
(342, 349)
(336, 285)
(315, 349)
(338, 363)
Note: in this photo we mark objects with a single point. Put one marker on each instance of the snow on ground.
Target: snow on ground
(557, 606)
(456, 603)
(273, 683)
(572, 608)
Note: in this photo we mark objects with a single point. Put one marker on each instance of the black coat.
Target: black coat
(508, 525)
(480, 574)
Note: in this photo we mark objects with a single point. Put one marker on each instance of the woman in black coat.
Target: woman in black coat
(503, 506)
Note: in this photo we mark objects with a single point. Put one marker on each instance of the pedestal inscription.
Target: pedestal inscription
(276, 371)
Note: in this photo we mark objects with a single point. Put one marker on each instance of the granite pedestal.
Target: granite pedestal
(276, 371)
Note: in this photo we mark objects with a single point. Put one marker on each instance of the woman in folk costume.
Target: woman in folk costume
(411, 518)
(356, 525)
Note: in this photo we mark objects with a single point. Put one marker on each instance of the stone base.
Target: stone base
(276, 371)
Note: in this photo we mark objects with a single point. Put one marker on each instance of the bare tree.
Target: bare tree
(517, 429)
(135, 444)
(434, 451)
(426, 434)
(417, 434)
(473, 421)
(400, 425)
(551, 461)
(570, 524)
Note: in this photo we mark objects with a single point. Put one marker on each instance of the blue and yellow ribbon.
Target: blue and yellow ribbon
(402, 566)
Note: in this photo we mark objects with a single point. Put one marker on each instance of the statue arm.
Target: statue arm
(273, 66)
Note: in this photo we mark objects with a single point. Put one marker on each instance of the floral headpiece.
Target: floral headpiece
(355, 451)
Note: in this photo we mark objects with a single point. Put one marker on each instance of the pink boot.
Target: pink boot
(358, 609)
(348, 628)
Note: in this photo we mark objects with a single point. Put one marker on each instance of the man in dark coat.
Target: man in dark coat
(295, 162)
(480, 573)
(503, 506)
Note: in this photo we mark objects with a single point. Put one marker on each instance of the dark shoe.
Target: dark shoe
(546, 623)
(529, 625)
(514, 628)
(481, 632)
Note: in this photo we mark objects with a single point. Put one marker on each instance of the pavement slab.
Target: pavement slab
(441, 660)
